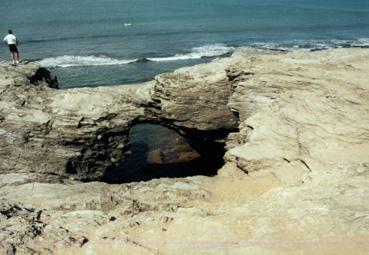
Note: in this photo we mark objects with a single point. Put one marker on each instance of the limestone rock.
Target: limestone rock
(303, 109)
(295, 179)
(80, 133)
(195, 97)
(76, 132)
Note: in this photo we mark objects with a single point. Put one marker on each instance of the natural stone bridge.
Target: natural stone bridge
(297, 123)
(83, 132)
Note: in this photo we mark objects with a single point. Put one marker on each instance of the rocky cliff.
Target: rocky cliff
(295, 179)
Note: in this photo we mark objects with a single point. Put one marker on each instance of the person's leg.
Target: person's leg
(17, 56)
(12, 53)
(13, 50)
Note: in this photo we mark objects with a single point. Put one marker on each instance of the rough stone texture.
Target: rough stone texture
(194, 98)
(83, 132)
(65, 132)
(306, 110)
(295, 181)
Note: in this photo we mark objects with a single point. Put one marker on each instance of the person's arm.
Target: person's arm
(4, 41)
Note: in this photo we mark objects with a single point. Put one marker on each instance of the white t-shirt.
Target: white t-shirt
(10, 39)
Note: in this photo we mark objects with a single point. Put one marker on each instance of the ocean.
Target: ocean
(108, 42)
(89, 43)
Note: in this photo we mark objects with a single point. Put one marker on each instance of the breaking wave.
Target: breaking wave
(311, 45)
(70, 61)
(206, 51)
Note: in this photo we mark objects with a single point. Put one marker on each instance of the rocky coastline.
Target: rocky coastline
(294, 126)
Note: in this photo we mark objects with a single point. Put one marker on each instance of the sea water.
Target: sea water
(107, 42)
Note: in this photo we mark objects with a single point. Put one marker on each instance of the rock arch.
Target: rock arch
(81, 133)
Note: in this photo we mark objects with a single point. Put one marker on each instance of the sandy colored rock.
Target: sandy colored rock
(195, 97)
(295, 179)
(80, 133)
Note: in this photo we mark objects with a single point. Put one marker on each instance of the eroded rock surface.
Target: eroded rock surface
(295, 179)
(194, 98)
(301, 110)
(83, 132)
(70, 132)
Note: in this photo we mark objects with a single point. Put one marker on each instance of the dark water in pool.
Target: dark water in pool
(158, 152)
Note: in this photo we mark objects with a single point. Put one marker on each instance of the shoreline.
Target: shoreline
(64, 65)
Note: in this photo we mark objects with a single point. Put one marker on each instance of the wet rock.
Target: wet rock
(155, 157)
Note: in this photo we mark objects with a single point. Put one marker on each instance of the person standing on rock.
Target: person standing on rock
(12, 42)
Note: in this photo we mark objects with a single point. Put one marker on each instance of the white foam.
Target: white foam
(362, 42)
(282, 46)
(311, 44)
(70, 61)
(206, 51)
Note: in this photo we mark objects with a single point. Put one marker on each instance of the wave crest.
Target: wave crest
(72, 61)
(311, 45)
(206, 51)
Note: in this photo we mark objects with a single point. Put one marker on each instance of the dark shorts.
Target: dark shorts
(13, 48)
